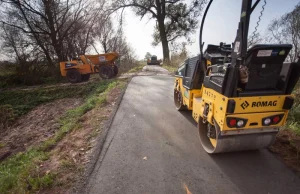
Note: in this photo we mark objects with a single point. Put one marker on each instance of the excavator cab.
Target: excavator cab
(239, 96)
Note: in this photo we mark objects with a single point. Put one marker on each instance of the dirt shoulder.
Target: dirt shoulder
(48, 149)
(77, 150)
(35, 127)
(287, 148)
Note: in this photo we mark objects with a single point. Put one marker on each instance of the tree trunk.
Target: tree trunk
(164, 42)
(165, 47)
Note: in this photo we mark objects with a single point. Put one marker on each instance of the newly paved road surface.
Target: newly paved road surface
(147, 125)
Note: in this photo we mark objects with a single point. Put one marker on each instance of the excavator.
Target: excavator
(239, 96)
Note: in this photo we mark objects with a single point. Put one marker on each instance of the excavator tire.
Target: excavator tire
(85, 77)
(232, 143)
(106, 72)
(73, 76)
(178, 100)
(116, 70)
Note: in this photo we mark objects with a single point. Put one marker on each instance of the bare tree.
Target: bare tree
(57, 27)
(148, 56)
(286, 29)
(109, 35)
(41, 33)
(27, 56)
(106, 35)
(255, 39)
(174, 18)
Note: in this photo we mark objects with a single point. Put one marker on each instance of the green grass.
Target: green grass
(170, 68)
(293, 121)
(16, 103)
(20, 173)
(2, 145)
(15, 172)
(136, 69)
(6, 73)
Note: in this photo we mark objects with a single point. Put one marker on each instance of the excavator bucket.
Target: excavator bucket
(100, 59)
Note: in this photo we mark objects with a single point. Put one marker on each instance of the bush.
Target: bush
(293, 121)
(28, 73)
(7, 115)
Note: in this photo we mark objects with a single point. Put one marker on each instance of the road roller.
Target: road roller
(239, 96)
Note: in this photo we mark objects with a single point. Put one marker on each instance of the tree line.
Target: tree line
(38, 34)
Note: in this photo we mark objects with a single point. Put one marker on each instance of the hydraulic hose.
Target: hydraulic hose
(201, 28)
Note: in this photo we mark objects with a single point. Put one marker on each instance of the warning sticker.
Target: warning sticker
(102, 58)
(236, 46)
(282, 52)
(264, 53)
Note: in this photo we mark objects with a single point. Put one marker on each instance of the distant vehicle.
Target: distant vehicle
(153, 61)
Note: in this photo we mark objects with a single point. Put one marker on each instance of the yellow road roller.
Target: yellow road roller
(239, 96)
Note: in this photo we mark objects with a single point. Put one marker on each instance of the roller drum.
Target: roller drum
(234, 143)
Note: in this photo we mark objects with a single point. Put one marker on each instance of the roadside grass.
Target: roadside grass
(293, 121)
(15, 103)
(21, 173)
(137, 68)
(170, 68)
(6, 73)
(16, 173)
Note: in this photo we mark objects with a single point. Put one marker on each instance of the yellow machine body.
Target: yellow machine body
(257, 108)
(211, 107)
(101, 59)
(83, 65)
(104, 64)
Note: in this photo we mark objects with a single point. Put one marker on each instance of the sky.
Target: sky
(220, 25)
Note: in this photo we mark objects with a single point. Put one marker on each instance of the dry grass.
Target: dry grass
(176, 61)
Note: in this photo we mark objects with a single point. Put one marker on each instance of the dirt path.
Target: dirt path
(287, 147)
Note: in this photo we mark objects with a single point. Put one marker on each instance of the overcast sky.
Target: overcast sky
(220, 25)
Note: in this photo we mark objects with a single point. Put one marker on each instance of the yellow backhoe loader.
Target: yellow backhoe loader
(80, 69)
(239, 96)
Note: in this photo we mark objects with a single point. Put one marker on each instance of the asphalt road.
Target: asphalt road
(148, 125)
